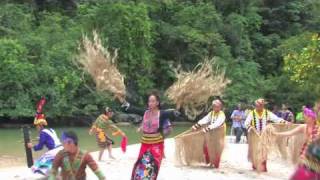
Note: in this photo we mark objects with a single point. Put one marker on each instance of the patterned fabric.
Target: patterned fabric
(150, 124)
(260, 120)
(73, 165)
(150, 127)
(152, 138)
(103, 140)
(146, 169)
(148, 163)
(151, 141)
(101, 126)
(105, 124)
(44, 163)
(164, 115)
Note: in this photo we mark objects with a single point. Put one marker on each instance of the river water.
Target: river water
(12, 151)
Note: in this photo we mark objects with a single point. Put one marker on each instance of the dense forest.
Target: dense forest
(268, 48)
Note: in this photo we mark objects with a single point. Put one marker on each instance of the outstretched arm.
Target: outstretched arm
(114, 129)
(295, 131)
(274, 118)
(94, 167)
(170, 114)
(127, 107)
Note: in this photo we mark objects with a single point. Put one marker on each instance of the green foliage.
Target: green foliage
(249, 38)
(247, 85)
(127, 27)
(304, 66)
(281, 19)
(18, 76)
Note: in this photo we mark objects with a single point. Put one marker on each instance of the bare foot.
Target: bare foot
(112, 157)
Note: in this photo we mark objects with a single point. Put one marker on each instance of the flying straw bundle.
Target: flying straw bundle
(259, 144)
(193, 89)
(100, 64)
(189, 146)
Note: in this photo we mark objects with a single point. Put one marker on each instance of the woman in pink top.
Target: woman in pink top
(152, 141)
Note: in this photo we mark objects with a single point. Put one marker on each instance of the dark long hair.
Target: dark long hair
(154, 93)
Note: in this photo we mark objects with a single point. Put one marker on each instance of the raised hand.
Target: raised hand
(195, 127)
(125, 105)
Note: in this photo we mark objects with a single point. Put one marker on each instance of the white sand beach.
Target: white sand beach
(234, 165)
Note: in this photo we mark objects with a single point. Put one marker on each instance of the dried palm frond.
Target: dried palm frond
(189, 146)
(100, 64)
(192, 90)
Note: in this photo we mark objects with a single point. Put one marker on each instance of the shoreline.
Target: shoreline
(234, 165)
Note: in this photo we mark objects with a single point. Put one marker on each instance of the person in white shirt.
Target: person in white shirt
(214, 119)
(258, 119)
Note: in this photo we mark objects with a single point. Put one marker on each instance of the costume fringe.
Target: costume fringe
(289, 147)
(189, 146)
(259, 145)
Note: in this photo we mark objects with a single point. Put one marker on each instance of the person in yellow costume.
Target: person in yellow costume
(100, 127)
(258, 119)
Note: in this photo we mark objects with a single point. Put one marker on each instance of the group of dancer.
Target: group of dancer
(68, 156)
(258, 119)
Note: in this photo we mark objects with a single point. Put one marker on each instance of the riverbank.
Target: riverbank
(234, 165)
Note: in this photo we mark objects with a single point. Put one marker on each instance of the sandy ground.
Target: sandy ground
(234, 165)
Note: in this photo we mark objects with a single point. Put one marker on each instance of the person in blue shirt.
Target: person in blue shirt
(238, 117)
(49, 139)
(47, 136)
